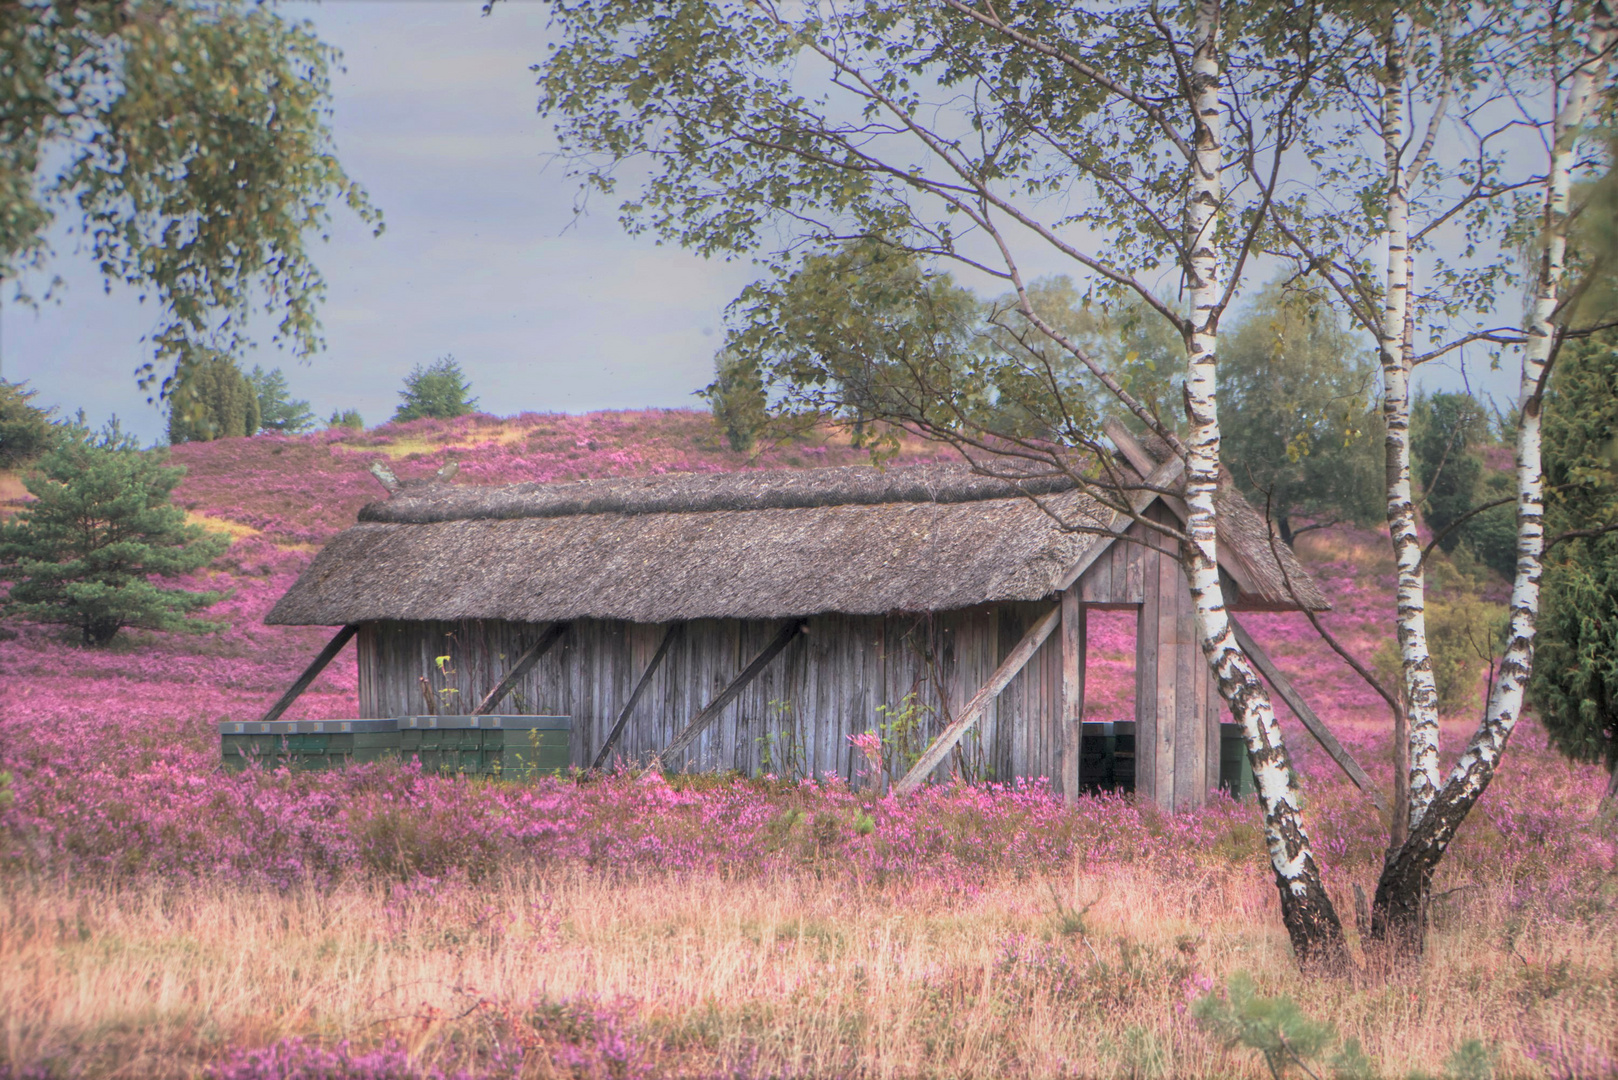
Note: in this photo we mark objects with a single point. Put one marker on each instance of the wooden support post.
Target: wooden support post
(551, 635)
(710, 713)
(316, 666)
(935, 754)
(611, 740)
(1307, 717)
(1073, 648)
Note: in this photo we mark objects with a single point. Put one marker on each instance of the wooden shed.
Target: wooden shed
(754, 621)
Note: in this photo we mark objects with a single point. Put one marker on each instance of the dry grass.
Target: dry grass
(790, 976)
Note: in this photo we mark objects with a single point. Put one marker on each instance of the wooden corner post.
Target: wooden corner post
(1073, 649)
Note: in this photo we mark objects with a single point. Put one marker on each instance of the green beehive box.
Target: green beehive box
(1235, 770)
(306, 744)
(501, 747)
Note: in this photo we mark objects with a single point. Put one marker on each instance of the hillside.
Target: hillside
(280, 498)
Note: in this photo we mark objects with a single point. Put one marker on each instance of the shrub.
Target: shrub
(25, 430)
(438, 390)
(737, 398)
(98, 576)
(346, 418)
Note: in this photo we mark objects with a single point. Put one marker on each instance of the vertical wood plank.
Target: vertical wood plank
(1146, 709)
(1190, 734)
(1168, 581)
(1073, 633)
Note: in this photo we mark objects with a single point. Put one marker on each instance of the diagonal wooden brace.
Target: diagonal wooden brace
(935, 753)
(709, 714)
(1307, 717)
(611, 740)
(316, 666)
(552, 634)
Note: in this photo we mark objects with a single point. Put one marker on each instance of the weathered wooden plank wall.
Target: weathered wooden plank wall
(843, 675)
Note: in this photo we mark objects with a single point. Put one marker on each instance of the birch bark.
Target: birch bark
(1421, 691)
(1398, 913)
(1306, 909)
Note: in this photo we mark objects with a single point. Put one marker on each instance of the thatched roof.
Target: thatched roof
(856, 540)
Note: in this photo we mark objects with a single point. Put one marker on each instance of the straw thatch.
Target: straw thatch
(855, 540)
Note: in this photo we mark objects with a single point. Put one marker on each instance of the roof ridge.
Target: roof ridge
(675, 493)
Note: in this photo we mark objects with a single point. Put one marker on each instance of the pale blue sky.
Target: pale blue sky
(482, 257)
(435, 116)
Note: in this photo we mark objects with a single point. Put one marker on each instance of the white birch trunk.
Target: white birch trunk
(1306, 909)
(1402, 891)
(1421, 692)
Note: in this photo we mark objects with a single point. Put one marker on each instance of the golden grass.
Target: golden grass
(796, 975)
(236, 529)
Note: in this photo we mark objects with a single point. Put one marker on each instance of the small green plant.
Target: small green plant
(1291, 1042)
(902, 730)
(346, 418)
(1287, 1039)
(781, 749)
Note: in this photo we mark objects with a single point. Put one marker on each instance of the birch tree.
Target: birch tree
(1106, 142)
(1398, 912)
(1415, 79)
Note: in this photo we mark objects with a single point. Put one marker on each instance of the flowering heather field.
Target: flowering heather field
(161, 918)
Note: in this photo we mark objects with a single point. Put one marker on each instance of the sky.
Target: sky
(483, 257)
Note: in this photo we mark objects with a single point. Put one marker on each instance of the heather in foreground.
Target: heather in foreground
(167, 921)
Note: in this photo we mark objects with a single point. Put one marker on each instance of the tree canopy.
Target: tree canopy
(26, 430)
(278, 410)
(1301, 430)
(1575, 679)
(212, 400)
(188, 142)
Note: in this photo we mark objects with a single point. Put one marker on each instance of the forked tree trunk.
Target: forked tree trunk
(1306, 910)
(1398, 914)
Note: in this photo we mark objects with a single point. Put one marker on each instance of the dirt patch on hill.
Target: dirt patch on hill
(12, 493)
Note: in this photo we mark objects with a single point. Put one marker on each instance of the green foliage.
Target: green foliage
(1464, 636)
(1448, 431)
(25, 429)
(190, 142)
(346, 418)
(277, 411)
(1575, 677)
(1275, 1027)
(738, 401)
(212, 400)
(865, 334)
(100, 528)
(1300, 428)
(1292, 1043)
(438, 390)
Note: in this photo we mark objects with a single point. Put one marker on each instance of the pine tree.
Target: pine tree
(25, 429)
(278, 411)
(438, 390)
(1575, 679)
(85, 552)
(213, 400)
